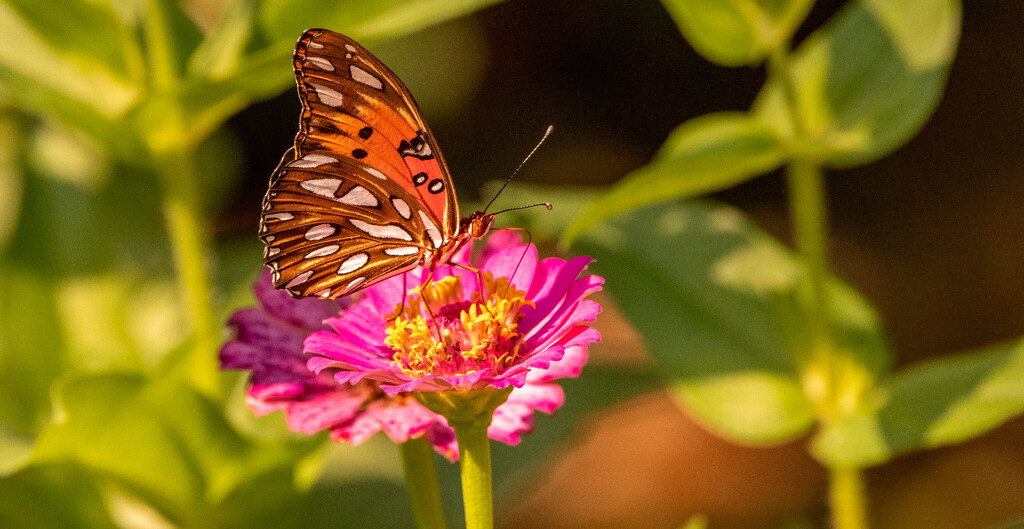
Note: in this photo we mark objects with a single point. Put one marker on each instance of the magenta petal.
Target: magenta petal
(307, 312)
(324, 410)
(269, 342)
(517, 263)
(569, 366)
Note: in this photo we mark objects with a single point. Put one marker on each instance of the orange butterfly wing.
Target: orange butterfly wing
(365, 193)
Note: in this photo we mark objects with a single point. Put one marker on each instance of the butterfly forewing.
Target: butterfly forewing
(365, 193)
(347, 92)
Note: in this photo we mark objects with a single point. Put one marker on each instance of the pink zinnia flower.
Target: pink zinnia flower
(268, 343)
(522, 328)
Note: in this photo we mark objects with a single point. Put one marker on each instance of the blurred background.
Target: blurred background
(932, 235)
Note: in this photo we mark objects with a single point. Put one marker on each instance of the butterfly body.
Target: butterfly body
(364, 193)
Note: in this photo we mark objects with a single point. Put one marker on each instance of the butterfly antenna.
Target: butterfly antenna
(521, 164)
(545, 204)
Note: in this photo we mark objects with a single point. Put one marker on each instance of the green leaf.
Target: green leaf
(705, 154)
(722, 306)
(160, 439)
(285, 20)
(867, 81)
(934, 404)
(112, 428)
(737, 32)
(55, 497)
(39, 74)
(32, 355)
(221, 51)
(87, 33)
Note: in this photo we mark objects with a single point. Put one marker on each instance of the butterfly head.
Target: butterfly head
(477, 225)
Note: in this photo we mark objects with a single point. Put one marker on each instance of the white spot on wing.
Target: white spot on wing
(350, 48)
(300, 279)
(323, 293)
(327, 95)
(325, 187)
(353, 263)
(279, 216)
(359, 196)
(312, 160)
(360, 75)
(320, 231)
(323, 251)
(321, 63)
(271, 251)
(315, 45)
(383, 232)
(432, 231)
(376, 173)
(268, 239)
(355, 283)
(402, 250)
(401, 207)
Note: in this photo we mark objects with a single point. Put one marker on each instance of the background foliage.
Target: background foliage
(138, 136)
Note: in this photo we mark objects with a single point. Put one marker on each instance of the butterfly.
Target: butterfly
(364, 194)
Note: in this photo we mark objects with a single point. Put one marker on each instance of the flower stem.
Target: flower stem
(186, 226)
(421, 483)
(846, 490)
(808, 210)
(475, 465)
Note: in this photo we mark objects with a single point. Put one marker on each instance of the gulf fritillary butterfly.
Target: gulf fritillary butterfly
(365, 193)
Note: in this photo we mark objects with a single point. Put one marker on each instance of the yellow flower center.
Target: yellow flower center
(438, 332)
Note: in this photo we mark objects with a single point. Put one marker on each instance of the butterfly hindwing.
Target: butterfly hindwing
(328, 232)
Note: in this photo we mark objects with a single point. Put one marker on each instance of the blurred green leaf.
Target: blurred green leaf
(87, 33)
(170, 37)
(705, 154)
(934, 404)
(223, 47)
(33, 355)
(112, 427)
(722, 307)
(367, 21)
(167, 444)
(39, 76)
(867, 81)
(737, 32)
(54, 497)
(12, 171)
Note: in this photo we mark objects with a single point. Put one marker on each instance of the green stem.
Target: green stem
(808, 210)
(846, 489)
(421, 483)
(475, 465)
(160, 55)
(186, 227)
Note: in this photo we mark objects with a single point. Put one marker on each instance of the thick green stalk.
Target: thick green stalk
(475, 465)
(808, 209)
(173, 157)
(421, 484)
(186, 228)
(846, 491)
